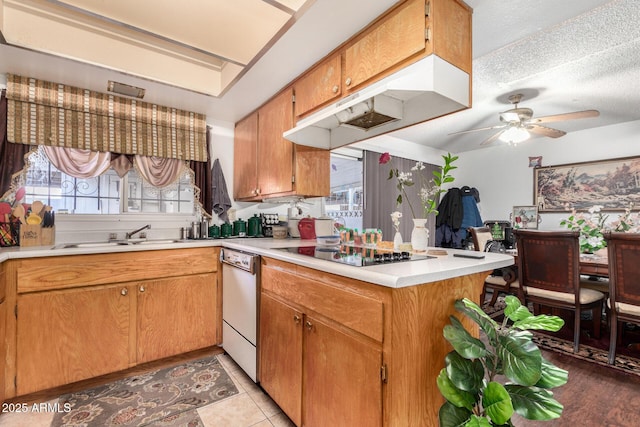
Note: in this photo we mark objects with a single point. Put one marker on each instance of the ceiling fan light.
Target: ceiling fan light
(515, 135)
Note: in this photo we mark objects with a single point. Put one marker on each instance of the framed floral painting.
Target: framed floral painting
(613, 184)
(525, 217)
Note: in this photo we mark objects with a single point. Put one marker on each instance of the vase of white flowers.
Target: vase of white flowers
(429, 193)
(397, 238)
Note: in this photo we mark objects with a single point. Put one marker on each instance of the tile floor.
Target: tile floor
(251, 407)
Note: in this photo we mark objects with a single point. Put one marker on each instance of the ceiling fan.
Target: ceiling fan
(518, 123)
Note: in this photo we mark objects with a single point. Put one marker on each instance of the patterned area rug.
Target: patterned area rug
(624, 363)
(165, 397)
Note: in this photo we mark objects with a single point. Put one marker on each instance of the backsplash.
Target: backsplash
(92, 228)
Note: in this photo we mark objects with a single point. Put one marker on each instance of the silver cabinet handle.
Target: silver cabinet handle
(335, 89)
(296, 318)
(142, 288)
(348, 81)
(124, 292)
(309, 325)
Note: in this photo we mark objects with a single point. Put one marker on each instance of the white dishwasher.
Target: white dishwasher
(240, 291)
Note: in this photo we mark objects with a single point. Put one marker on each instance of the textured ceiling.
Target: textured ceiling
(563, 56)
(578, 59)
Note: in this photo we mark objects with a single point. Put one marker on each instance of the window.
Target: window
(105, 194)
(345, 201)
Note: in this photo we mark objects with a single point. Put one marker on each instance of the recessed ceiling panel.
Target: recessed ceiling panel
(200, 45)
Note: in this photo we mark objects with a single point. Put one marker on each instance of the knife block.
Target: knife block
(36, 235)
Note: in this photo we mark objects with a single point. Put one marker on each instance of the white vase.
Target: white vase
(419, 235)
(397, 241)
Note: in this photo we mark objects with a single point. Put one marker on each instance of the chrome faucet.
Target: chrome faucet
(132, 233)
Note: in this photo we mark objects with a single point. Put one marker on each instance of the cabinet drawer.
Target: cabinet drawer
(355, 311)
(101, 269)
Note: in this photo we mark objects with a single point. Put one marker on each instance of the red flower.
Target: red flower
(384, 158)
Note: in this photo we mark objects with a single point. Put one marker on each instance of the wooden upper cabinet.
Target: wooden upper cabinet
(245, 150)
(275, 154)
(266, 164)
(320, 86)
(395, 38)
(449, 26)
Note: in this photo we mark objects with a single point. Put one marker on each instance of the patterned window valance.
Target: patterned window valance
(45, 113)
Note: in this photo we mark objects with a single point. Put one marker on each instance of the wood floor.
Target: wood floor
(594, 396)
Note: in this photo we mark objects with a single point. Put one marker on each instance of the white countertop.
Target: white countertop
(393, 275)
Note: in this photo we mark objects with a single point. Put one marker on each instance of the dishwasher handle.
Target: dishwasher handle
(243, 261)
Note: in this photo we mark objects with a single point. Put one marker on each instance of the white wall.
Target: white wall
(504, 178)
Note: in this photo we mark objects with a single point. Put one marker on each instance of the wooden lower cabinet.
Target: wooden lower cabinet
(3, 322)
(71, 335)
(342, 383)
(319, 371)
(337, 375)
(175, 315)
(342, 352)
(281, 352)
(78, 317)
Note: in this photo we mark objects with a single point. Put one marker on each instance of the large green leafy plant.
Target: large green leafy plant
(469, 381)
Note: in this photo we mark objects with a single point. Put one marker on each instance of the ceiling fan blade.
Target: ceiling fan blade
(492, 138)
(475, 130)
(545, 131)
(566, 116)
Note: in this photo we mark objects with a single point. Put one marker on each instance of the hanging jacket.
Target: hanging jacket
(470, 213)
(446, 237)
(450, 209)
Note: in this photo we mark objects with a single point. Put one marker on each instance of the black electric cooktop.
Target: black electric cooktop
(357, 256)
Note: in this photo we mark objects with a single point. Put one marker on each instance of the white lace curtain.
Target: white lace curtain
(80, 163)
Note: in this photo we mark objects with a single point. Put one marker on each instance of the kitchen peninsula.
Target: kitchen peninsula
(339, 343)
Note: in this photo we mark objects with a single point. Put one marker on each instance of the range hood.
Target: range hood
(424, 90)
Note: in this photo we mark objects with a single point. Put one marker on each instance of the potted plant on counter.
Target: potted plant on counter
(470, 380)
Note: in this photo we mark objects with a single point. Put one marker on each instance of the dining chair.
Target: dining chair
(624, 284)
(505, 282)
(549, 274)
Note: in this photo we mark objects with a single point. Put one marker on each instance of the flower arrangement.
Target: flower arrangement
(430, 189)
(593, 224)
(395, 219)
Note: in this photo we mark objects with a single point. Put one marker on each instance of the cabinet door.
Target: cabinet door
(175, 315)
(281, 355)
(396, 38)
(245, 151)
(320, 86)
(71, 335)
(342, 383)
(275, 154)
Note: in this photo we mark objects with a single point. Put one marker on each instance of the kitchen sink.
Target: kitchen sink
(90, 244)
(155, 242)
(116, 243)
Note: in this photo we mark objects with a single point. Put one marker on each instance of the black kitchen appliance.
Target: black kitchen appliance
(357, 256)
